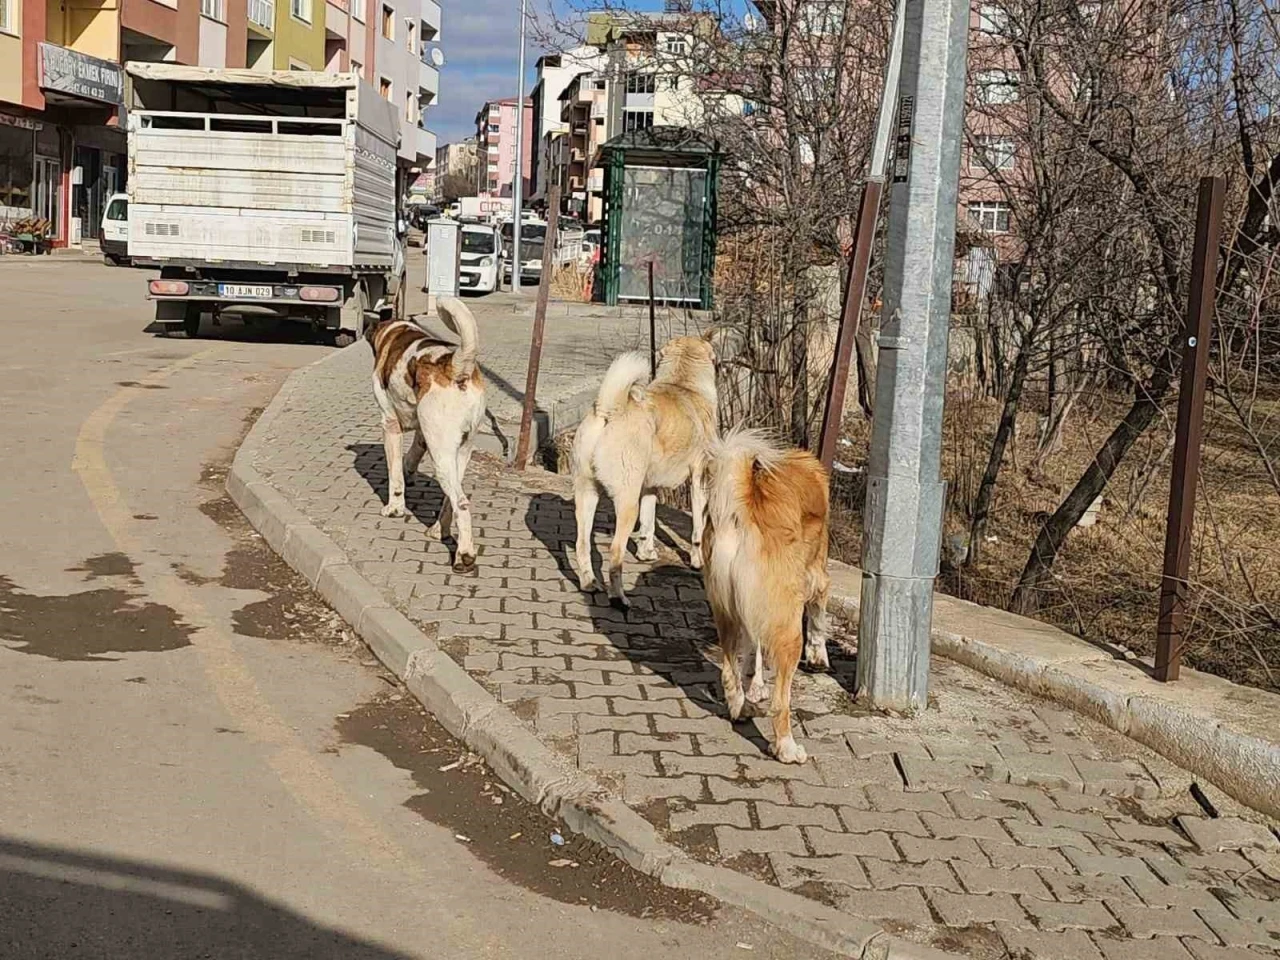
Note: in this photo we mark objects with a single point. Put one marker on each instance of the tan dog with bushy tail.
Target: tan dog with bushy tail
(765, 567)
(639, 439)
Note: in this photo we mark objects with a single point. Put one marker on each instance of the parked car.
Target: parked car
(481, 251)
(532, 235)
(113, 235)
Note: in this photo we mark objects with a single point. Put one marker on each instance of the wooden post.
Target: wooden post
(855, 292)
(653, 343)
(539, 323)
(1186, 445)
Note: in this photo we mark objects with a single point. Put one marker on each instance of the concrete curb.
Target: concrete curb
(1216, 729)
(528, 766)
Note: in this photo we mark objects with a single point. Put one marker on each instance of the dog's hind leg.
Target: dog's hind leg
(757, 692)
(586, 495)
(417, 447)
(698, 509)
(730, 634)
(786, 657)
(392, 437)
(646, 550)
(818, 627)
(446, 448)
(627, 506)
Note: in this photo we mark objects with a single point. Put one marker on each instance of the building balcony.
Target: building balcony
(262, 16)
(598, 109)
(428, 82)
(431, 21)
(336, 15)
(426, 145)
(595, 180)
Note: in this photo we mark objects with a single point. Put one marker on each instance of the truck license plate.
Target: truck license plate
(244, 290)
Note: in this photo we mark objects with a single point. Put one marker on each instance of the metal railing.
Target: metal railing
(263, 13)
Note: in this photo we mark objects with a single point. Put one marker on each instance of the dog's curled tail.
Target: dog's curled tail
(458, 317)
(616, 389)
(736, 460)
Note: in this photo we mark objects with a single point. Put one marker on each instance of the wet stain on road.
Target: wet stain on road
(509, 835)
(291, 611)
(106, 565)
(87, 626)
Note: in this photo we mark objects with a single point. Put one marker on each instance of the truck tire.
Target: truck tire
(191, 322)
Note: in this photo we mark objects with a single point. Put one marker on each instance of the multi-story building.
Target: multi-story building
(62, 144)
(496, 146)
(583, 109)
(457, 163)
(555, 71)
(406, 73)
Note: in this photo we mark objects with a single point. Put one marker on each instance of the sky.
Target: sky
(480, 41)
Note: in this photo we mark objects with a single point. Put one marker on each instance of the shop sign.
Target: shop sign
(80, 75)
(25, 123)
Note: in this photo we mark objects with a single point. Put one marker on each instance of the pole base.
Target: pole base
(894, 624)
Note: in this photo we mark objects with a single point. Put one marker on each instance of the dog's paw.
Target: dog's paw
(465, 563)
(646, 554)
(695, 558)
(620, 603)
(788, 751)
(738, 707)
(757, 692)
(434, 532)
(395, 509)
(815, 656)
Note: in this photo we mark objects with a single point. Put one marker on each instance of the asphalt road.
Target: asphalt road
(196, 757)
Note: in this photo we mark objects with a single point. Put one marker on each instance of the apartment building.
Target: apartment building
(62, 143)
(583, 108)
(407, 70)
(458, 163)
(496, 146)
(554, 73)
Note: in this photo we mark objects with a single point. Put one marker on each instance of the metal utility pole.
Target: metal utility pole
(517, 200)
(539, 325)
(905, 493)
(653, 335)
(1186, 443)
(855, 290)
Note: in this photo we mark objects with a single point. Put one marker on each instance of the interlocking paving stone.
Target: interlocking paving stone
(1006, 799)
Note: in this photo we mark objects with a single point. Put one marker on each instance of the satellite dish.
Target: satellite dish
(437, 56)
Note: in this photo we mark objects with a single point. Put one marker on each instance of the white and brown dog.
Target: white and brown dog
(765, 569)
(639, 439)
(434, 391)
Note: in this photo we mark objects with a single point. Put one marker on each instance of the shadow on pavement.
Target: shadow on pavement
(262, 329)
(58, 904)
(667, 599)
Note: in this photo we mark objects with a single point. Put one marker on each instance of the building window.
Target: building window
(821, 17)
(996, 87)
(636, 120)
(17, 166)
(384, 88)
(992, 19)
(676, 45)
(213, 9)
(814, 83)
(408, 108)
(6, 16)
(992, 153)
(991, 216)
(357, 68)
(640, 83)
(300, 10)
(410, 33)
(494, 128)
(388, 22)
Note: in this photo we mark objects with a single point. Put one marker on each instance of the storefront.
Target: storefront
(81, 161)
(17, 165)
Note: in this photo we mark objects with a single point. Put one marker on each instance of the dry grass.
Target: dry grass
(1107, 577)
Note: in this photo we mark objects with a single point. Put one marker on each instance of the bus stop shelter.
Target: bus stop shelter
(659, 209)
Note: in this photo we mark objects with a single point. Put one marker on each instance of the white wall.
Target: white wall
(213, 43)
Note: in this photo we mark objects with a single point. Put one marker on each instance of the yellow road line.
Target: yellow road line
(227, 673)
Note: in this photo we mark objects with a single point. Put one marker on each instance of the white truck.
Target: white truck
(264, 193)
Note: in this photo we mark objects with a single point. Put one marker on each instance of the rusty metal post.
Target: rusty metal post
(1186, 444)
(653, 336)
(855, 292)
(539, 324)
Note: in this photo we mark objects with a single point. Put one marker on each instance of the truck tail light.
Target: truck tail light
(319, 294)
(170, 288)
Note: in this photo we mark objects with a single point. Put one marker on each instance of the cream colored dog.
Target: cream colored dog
(434, 391)
(639, 439)
(765, 568)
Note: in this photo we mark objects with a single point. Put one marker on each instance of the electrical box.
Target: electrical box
(444, 256)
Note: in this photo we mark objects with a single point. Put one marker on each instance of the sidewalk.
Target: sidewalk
(995, 825)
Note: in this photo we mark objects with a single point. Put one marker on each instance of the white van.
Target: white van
(113, 234)
(481, 248)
